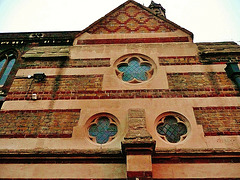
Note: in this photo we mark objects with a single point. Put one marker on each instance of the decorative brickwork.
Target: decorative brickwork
(54, 86)
(38, 123)
(65, 63)
(178, 60)
(218, 120)
(214, 83)
(133, 40)
(131, 18)
(127, 94)
(132, 122)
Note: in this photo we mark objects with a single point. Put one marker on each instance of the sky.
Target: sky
(208, 20)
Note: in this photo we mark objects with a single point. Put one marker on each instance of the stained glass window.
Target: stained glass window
(172, 128)
(135, 69)
(103, 129)
(2, 62)
(6, 66)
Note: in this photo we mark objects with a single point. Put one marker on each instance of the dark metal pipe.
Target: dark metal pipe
(233, 73)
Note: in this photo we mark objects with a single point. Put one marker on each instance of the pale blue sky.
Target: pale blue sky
(209, 20)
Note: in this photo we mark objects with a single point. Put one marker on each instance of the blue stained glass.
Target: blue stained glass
(172, 129)
(103, 130)
(7, 71)
(2, 63)
(134, 70)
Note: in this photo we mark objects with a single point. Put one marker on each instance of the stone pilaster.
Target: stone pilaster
(138, 146)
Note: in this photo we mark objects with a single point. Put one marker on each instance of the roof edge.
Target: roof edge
(141, 6)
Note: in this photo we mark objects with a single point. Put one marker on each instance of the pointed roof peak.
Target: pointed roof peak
(101, 23)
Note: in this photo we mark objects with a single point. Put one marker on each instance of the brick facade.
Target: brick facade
(64, 63)
(202, 84)
(219, 59)
(218, 120)
(133, 40)
(181, 60)
(113, 96)
(38, 123)
(212, 84)
(55, 87)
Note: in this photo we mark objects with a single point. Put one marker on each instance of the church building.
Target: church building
(129, 97)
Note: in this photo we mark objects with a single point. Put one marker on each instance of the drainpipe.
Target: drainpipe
(233, 73)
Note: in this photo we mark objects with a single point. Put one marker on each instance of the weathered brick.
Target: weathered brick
(178, 60)
(217, 82)
(64, 63)
(38, 123)
(54, 86)
(219, 120)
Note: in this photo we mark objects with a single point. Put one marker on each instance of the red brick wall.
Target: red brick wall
(180, 60)
(55, 87)
(191, 60)
(38, 123)
(218, 120)
(65, 63)
(133, 40)
(219, 58)
(90, 87)
(205, 84)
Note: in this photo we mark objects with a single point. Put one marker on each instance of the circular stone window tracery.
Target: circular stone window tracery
(172, 127)
(135, 68)
(102, 128)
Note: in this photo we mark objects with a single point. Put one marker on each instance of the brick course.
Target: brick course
(133, 40)
(125, 94)
(38, 123)
(219, 58)
(64, 63)
(181, 85)
(215, 82)
(54, 85)
(219, 120)
(178, 60)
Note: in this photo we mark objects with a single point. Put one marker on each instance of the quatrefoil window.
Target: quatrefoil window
(172, 128)
(103, 129)
(135, 69)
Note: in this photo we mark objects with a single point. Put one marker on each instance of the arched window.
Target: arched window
(7, 61)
